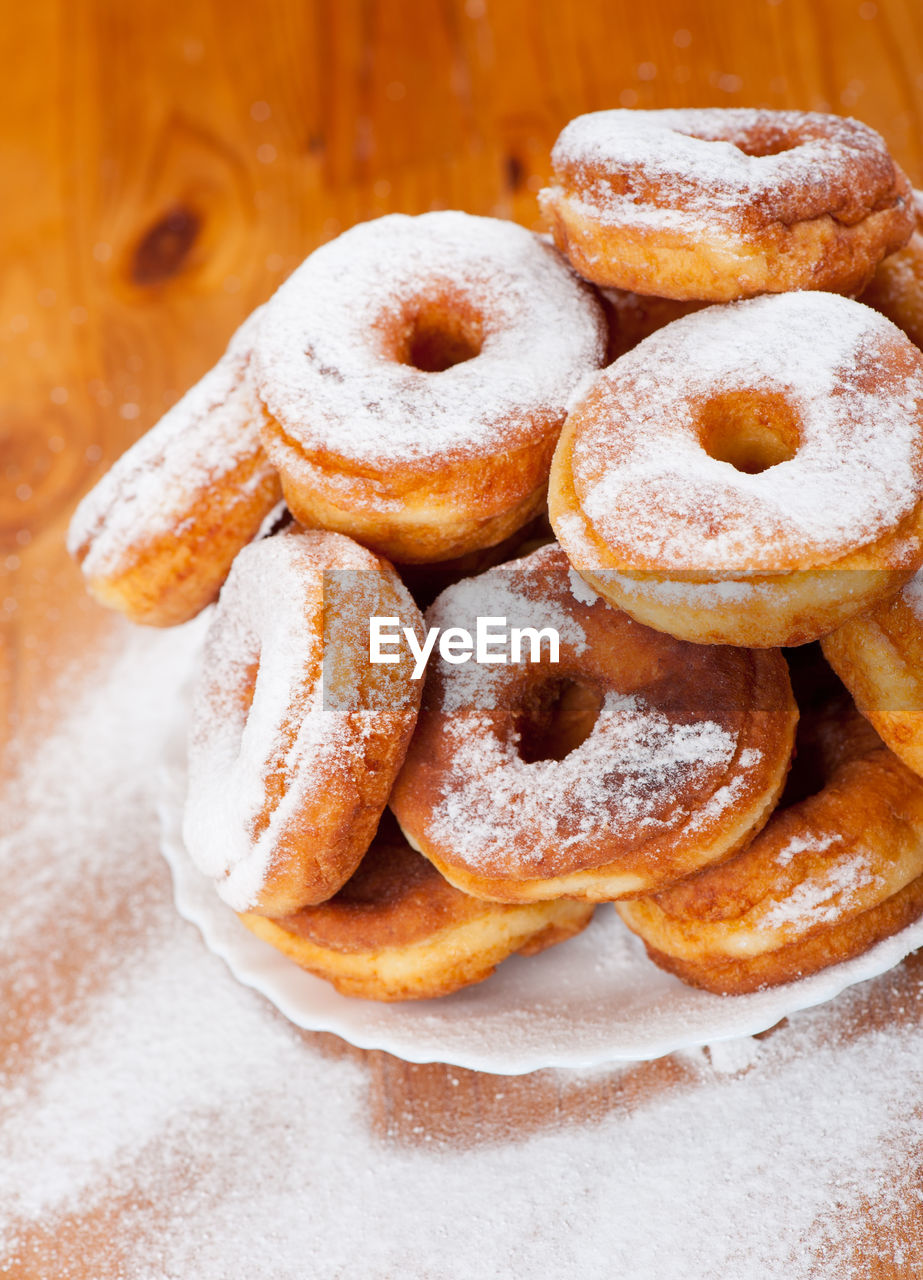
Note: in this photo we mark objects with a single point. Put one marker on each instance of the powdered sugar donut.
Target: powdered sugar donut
(896, 288)
(722, 204)
(879, 657)
(632, 761)
(415, 374)
(825, 880)
(296, 737)
(751, 474)
(155, 538)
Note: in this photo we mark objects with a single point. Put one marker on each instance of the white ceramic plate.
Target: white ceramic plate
(589, 1001)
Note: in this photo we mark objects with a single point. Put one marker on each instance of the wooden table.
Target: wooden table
(166, 167)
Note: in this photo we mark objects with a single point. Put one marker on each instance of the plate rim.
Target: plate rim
(255, 964)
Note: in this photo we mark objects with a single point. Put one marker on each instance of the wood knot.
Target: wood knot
(164, 247)
(515, 173)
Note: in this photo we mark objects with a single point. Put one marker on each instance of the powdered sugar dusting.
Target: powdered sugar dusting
(158, 482)
(823, 898)
(627, 778)
(582, 592)
(290, 728)
(649, 488)
(505, 591)
(804, 844)
(166, 1103)
(703, 594)
(327, 374)
(912, 595)
(689, 170)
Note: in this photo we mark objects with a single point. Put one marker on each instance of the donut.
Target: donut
(156, 536)
(296, 737)
(751, 474)
(722, 204)
(415, 373)
(628, 763)
(398, 931)
(879, 657)
(825, 880)
(896, 288)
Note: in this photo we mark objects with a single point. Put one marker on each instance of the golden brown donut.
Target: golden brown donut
(824, 881)
(296, 737)
(879, 657)
(722, 204)
(156, 536)
(415, 374)
(398, 931)
(630, 762)
(896, 288)
(751, 474)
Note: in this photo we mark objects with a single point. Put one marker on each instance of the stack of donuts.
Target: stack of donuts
(673, 446)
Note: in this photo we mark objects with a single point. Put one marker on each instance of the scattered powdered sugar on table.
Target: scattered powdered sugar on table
(627, 777)
(651, 491)
(327, 372)
(161, 1121)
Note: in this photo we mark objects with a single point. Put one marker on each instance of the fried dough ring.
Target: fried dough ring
(824, 881)
(683, 763)
(398, 931)
(751, 474)
(296, 738)
(896, 288)
(723, 204)
(879, 657)
(415, 374)
(156, 536)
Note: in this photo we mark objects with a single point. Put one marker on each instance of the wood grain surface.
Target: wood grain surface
(167, 165)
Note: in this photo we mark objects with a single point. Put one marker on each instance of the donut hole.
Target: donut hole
(749, 431)
(440, 336)
(759, 147)
(760, 142)
(554, 717)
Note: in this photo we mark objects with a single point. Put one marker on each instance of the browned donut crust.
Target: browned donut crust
(415, 374)
(879, 657)
(722, 204)
(398, 931)
(896, 288)
(296, 736)
(632, 761)
(751, 474)
(825, 880)
(156, 536)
